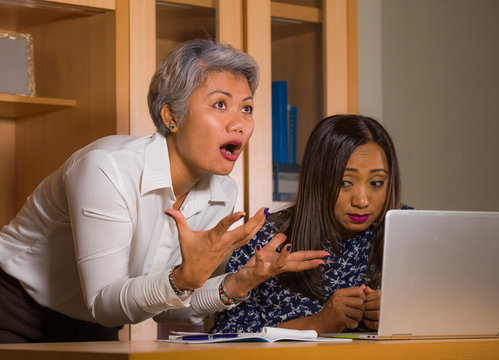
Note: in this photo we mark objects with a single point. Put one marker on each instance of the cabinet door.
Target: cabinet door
(312, 46)
(176, 21)
(258, 191)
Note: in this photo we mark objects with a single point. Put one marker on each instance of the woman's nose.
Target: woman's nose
(360, 198)
(236, 123)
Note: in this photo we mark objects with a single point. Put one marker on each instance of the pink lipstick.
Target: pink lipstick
(230, 150)
(357, 218)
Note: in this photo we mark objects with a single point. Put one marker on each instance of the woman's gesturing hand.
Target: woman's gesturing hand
(267, 262)
(203, 251)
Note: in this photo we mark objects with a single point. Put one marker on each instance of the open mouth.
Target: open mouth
(231, 148)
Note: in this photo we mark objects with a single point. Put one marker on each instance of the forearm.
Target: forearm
(240, 283)
(204, 301)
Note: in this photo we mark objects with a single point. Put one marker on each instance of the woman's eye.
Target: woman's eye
(220, 105)
(248, 109)
(346, 183)
(377, 183)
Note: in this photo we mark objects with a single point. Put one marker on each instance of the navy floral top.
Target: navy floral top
(270, 304)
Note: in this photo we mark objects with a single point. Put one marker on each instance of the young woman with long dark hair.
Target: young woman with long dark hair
(349, 179)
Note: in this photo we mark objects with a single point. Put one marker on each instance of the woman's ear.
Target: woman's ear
(168, 118)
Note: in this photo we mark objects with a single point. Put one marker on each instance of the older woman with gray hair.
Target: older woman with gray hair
(131, 228)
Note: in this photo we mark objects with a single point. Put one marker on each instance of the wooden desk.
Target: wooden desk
(358, 350)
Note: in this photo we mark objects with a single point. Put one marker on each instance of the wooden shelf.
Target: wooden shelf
(296, 13)
(189, 3)
(18, 106)
(22, 14)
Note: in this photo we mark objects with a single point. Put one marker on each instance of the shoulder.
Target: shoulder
(117, 159)
(117, 143)
(114, 146)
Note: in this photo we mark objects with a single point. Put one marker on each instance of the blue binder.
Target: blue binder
(280, 132)
(292, 114)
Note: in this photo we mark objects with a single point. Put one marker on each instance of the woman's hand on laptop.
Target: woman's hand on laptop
(371, 308)
(343, 310)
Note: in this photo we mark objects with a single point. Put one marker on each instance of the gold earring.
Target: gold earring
(172, 127)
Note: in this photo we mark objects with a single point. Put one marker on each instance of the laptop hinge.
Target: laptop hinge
(401, 336)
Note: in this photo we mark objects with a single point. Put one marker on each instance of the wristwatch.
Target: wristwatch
(177, 291)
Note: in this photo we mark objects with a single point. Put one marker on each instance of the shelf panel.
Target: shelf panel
(188, 3)
(298, 13)
(95, 4)
(20, 14)
(18, 106)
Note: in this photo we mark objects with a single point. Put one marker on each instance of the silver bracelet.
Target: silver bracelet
(176, 290)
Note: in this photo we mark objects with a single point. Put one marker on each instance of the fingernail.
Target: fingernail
(266, 211)
(258, 247)
(167, 213)
(240, 217)
(288, 247)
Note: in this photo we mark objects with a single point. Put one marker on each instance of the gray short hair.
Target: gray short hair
(186, 68)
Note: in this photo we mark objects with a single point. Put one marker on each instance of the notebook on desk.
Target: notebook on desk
(440, 276)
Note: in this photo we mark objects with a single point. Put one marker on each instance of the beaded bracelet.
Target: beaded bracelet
(226, 298)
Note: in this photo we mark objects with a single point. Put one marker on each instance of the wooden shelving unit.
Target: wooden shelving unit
(94, 59)
(75, 77)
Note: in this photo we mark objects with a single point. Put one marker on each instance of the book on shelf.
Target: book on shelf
(269, 334)
(284, 128)
(292, 115)
(284, 117)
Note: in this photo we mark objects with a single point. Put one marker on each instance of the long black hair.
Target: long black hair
(310, 221)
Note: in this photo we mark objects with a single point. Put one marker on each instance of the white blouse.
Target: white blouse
(93, 242)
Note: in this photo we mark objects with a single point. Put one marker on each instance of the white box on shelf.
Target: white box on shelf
(16, 64)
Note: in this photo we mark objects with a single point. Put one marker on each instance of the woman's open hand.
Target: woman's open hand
(267, 262)
(203, 251)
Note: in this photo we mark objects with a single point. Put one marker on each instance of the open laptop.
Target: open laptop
(440, 276)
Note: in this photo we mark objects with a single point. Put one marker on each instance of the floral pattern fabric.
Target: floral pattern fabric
(270, 304)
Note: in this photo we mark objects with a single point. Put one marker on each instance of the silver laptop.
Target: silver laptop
(440, 276)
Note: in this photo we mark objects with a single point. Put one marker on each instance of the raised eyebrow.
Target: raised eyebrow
(378, 170)
(229, 94)
(352, 169)
(370, 171)
(221, 92)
